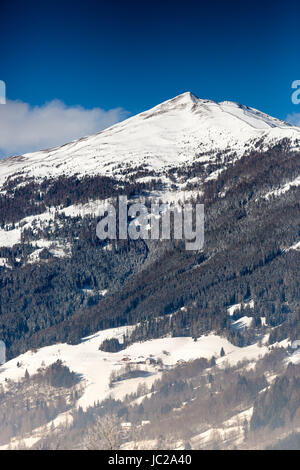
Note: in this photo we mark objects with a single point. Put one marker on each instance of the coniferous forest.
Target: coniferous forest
(246, 256)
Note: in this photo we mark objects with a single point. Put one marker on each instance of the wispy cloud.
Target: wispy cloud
(24, 128)
(294, 119)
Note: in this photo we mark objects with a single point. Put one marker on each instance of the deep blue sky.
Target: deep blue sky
(135, 54)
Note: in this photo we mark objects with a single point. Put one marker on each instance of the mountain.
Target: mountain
(233, 158)
(178, 132)
(93, 305)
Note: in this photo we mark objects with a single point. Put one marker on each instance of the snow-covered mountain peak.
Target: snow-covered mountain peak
(184, 101)
(176, 132)
(210, 109)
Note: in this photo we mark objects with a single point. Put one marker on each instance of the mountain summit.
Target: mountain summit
(176, 132)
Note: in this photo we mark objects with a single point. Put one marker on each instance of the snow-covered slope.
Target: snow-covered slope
(174, 133)
(95, 367)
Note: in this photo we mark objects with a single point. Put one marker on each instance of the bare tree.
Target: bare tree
(106, 434)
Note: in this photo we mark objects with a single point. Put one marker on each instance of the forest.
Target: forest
(246, 256)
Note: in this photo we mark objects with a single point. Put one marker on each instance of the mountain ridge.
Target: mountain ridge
(177, 132)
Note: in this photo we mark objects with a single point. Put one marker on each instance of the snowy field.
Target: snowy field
(95, 367)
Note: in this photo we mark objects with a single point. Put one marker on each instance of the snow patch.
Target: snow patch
(236, 307)
(283, 189)
(243, 322)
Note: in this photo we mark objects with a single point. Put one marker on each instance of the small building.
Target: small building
(296, 344)
(126, 425)
(125, 359)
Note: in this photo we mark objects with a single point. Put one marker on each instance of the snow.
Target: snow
(233, 308)
(10, 238)
(229, 429)
(296, 246)
(95, 367)
(284, 188)
(103, 292)
(243, 322)
(63, 419)
(21, 443)
(4, 263)
(57, 249)
(295, 357)
(95, 207)
(177, 132)
(107, 247)
(174, 133)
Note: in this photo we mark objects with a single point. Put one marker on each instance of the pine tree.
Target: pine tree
(212, 362)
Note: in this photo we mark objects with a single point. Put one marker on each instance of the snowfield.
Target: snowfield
(95, 367)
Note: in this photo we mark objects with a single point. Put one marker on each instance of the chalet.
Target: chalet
(125, 359)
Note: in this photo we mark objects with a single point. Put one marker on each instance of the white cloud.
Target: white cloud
(26, 129)
(294, 119)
